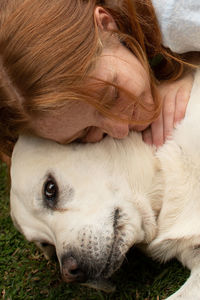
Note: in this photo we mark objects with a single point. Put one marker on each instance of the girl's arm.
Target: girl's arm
(179, 22)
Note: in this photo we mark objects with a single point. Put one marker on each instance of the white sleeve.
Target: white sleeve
(179, 22)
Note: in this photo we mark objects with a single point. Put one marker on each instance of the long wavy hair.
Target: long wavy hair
(49, 47)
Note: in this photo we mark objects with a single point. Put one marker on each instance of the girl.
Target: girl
(85, 68)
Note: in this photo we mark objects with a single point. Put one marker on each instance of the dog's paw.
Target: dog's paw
(182, 295)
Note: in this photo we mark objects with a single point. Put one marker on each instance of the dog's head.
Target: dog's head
(79, 200)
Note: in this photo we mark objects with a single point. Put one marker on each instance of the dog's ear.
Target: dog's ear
(16, 224)
(5, 158)
(7, 171)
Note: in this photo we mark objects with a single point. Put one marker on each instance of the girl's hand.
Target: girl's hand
(175, 97)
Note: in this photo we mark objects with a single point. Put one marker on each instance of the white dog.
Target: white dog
(92, 202)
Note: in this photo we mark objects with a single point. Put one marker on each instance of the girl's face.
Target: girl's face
(81, 120)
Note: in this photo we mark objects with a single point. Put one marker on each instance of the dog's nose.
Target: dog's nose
(71, 272)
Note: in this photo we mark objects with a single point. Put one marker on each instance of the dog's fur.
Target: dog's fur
(111, 196)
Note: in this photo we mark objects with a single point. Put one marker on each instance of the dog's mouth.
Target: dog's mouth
(97, 258)
(101, 281)
(100, 284)
(115, 256)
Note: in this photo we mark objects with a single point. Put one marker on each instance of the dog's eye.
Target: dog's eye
(50, 192)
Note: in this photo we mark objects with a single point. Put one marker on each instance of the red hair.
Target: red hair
(49, 47)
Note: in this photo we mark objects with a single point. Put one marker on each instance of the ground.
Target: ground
(25, 274)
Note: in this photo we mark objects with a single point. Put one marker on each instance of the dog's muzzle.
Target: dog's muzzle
(97, 256)
(86, 274)
(72, 272)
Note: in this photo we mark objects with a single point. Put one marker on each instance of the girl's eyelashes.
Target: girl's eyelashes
(116, 96)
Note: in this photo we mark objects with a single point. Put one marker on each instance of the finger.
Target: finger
(147, 136)
(157, 131)
(182, 99)
(169, 106)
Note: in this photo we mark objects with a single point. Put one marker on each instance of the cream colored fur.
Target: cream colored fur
(113, 195)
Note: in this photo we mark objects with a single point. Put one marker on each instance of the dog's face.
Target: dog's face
(71, 197)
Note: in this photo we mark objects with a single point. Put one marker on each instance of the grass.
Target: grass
(25, 274)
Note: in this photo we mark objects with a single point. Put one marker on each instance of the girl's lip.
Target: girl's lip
(138, 127)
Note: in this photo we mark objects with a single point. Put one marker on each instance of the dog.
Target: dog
(92, 202)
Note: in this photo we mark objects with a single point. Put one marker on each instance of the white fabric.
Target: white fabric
(180, 24)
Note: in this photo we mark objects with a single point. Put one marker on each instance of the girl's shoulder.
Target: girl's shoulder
(179, 23)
